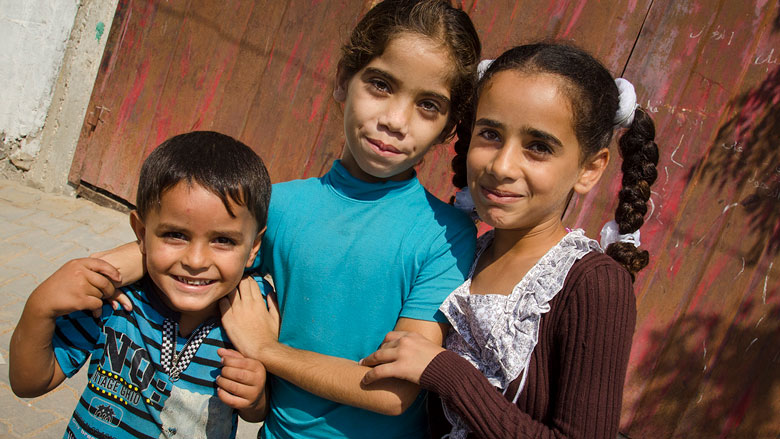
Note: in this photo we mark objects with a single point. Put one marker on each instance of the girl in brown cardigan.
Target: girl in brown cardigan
(541, 330)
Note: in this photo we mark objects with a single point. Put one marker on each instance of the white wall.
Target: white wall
(33, 38)
(50, 52)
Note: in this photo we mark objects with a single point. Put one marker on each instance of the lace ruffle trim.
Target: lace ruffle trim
(497, 333)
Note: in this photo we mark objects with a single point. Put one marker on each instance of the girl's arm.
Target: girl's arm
(128, 260)
(80, 284)
(253, 330)
(592, 344)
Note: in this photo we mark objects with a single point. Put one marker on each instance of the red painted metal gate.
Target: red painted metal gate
(706, 356)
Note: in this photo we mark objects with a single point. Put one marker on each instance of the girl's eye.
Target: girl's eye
(380, 85)
(429, 106)
(489, 135)
(224, 241)
(540, 148)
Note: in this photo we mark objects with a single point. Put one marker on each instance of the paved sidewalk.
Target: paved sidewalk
(38, 233)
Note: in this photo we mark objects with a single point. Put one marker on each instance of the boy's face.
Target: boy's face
(195, 251)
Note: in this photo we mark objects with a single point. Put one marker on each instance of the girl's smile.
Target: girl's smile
(383, 148)
(499, 196)
(395, 108)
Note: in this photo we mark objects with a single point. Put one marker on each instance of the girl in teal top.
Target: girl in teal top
(365, 249)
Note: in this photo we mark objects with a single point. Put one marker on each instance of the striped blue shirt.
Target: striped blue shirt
(128, 394)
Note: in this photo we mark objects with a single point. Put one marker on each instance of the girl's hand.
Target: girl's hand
(248, 321)
(403, 355)
(241, 384)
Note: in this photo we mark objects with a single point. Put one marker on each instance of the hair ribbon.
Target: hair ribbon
(610, 233)
(627, 105)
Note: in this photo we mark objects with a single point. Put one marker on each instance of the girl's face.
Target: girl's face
(524, 157)
(395, 108)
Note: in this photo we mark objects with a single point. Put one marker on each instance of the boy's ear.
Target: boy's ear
(255, 247)
(340, 87)
(591, 171)
(140, 230)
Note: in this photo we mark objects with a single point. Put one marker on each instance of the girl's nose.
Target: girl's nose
(507, 162)
(396, 117)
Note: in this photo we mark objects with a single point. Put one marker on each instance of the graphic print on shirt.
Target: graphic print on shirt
(194, 415)
(123, 377)
(105, 411)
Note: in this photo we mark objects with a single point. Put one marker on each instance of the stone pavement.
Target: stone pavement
(38, 233)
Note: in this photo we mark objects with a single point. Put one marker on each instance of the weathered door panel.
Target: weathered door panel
(263, 72)
(293, 118)
(131, 79)
(699, 305)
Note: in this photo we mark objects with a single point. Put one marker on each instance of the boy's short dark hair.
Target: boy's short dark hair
(219, 163)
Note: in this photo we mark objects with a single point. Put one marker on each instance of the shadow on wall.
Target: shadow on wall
(715, 372)
(746, 155)
(728, 389)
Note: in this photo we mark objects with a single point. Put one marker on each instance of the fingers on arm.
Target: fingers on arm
(248, 289)
(273, 304)
(101, 284)
(87, 276)
(120, 299)
(110, 293)
(405, 354)
(104, 268)
(385, 354)
(99, 288)
(382, 364)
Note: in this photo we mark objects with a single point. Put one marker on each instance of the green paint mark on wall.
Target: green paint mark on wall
(99, 29)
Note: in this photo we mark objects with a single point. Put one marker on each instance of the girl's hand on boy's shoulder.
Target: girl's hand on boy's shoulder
(241, 384)
(79, 285)
(250, 322)
(403, 355)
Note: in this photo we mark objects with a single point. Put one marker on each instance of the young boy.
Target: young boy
(156, 371)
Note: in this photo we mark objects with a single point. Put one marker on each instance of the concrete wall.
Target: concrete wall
(50, 51)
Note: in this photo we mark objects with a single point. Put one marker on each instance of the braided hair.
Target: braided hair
(595, 100)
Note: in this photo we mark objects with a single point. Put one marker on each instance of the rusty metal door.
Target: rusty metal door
(262, 71)
(706, 355)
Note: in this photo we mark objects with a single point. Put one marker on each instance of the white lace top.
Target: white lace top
(497, 333)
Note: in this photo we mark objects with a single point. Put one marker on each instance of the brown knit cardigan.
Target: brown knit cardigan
(575, 379)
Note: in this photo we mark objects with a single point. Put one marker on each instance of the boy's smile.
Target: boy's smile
(195, 252)
(395, 108)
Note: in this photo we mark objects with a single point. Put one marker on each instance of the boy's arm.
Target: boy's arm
(253, 330)
(80, 284)
(33, 370)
